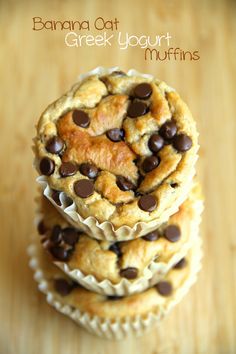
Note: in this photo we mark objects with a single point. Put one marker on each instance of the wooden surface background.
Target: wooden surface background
(36, 68)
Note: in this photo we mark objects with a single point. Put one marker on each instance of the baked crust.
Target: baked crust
(94, 257)
(106, 100)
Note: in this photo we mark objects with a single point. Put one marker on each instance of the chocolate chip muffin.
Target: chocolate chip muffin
(113, 316)
(122, 149)
(120, 268)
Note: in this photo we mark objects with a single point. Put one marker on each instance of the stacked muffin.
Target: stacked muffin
(119, 212)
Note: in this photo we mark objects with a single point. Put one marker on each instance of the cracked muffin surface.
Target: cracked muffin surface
(122, 147)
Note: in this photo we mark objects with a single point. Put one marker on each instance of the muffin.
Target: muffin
(120, 268)
(117, 153)
(112, 316)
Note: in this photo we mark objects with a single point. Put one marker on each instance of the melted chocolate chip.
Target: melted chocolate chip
(172, 233)
(129, 273)
(70, 236)
(137, 108)
(56, 197)
(168, 130)
(55, 145)
(116, 249)
(60, 253)
(56, 235)
(84, 188)
(164, 288)
(151, 236)
(47, 166)
(81, 118)
(155, 143)
(150, 163)
(181, 264)
(89, 170)
(147, 203)
(182, 143)
(143, 91)
(62, 286)
(115, 134)
(124, 184)
(67, 169)
(41, 228)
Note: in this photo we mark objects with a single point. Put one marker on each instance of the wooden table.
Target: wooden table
(36, 68)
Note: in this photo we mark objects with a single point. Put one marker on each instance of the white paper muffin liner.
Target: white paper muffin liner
(151, 274)
(105, 230)
(116, 328)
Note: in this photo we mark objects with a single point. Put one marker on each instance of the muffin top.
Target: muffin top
(115, 261)
(156, 299)
(121, 146)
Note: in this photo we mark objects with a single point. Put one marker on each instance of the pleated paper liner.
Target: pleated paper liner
(151, 274)
(106, 230)
(114, 327)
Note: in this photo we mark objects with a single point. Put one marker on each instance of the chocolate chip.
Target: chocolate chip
(47, 166)
(81, 118)
(83, 188)
(182, 142)
(70, 236)
(181, 264)
(168, 130)
(89, 170)
(136, 109)
(62, 286)
(150, 163)
(55, 145)
(115, 134)
(41, 228)
(56, 197)
(124, 184)
(172, 233)
(67, 169)
(114, 297)
(155, 143)
(60, 253)
(164, 288)
(151, 236)
(147, 203)
(143, 91)
(129, 273)
(174, 185)
(116, 249)
(56, 235)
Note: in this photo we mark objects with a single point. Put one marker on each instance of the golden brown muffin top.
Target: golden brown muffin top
(122, 147)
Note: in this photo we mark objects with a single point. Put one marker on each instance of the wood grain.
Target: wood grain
(37, 67)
